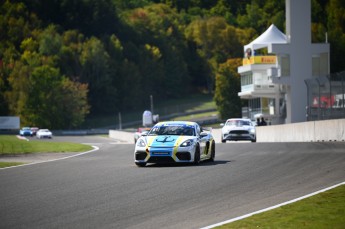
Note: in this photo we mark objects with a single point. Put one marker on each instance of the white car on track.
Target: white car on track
(44, 133)
(238, 129)
(175, 142)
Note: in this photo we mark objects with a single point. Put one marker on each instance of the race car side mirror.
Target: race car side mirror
(203, 134)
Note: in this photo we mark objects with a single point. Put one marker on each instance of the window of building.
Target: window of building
(261, 105)
(320, 64)
(316, 65)
(246, 79)
(254, 107)
(265, 105)
(284, 61)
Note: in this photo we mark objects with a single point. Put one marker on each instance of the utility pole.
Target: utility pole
(120, 121)
(151, 102)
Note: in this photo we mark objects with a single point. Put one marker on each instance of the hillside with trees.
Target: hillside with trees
(64, 61)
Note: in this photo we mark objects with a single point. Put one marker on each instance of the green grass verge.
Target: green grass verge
(9, 164)
(325, 210)
(196, 116)
(191, 103)
(10, 144)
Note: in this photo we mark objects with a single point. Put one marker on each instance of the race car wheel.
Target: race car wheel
(140, 164)
(213, 151)
(197, 155)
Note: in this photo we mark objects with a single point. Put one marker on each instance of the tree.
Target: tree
(94, 61)
(74, 103)
(69, 61)
(50, 41)
(43, 105)
(118, 52)
(216, 41)
(43, 97)
(336, 28)
(16, 23)
(226, 94)
(19, 84)
(38, 92)
(92, 18)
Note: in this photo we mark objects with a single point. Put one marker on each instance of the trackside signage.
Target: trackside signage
(9, 122)
(260, 60)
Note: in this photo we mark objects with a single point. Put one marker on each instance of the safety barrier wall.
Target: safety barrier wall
(313, 131)
(125, 137)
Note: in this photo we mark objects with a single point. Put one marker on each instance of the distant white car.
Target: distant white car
(237, 129)
(44, 133)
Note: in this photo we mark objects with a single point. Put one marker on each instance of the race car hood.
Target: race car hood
(165, 140)
(228, 128)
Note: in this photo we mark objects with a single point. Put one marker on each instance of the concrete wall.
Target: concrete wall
(327, 130)
(123, 136)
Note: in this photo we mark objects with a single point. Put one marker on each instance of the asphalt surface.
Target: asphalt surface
(104, 189)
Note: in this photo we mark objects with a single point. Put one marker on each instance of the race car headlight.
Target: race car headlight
(141, 143)
(187, 143)
(252, 131)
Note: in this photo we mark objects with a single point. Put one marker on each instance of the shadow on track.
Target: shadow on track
(204, 163)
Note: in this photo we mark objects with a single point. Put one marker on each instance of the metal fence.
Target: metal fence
(326, 97)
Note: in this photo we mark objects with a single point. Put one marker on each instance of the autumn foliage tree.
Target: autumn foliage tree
(64, 61)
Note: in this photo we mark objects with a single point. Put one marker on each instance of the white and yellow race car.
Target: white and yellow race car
(175, 142)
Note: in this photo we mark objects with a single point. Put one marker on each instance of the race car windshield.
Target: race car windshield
(172, 130)
(238, 123)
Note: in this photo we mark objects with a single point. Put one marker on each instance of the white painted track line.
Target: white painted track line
(95, 148)
(273, 207)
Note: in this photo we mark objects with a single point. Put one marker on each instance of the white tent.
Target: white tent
(271, 36)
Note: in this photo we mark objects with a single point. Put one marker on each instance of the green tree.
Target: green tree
(260, 15)
(161, 58)
(131, 88)
(43, 105)
(43, 97)
(50, 41)
(16, 23)
(92, 18)
(74, 104)
(228, 85)
(54, 101)
(94, 61)
(216, 41)
(19, 82)
(223, 9)
(69, 61)
(336, 28)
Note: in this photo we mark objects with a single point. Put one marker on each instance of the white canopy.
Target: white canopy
(271, 36)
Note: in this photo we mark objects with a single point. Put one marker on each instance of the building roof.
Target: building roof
(271, 36)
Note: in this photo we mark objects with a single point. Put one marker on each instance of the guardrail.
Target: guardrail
(80, 132)
(312, 131)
